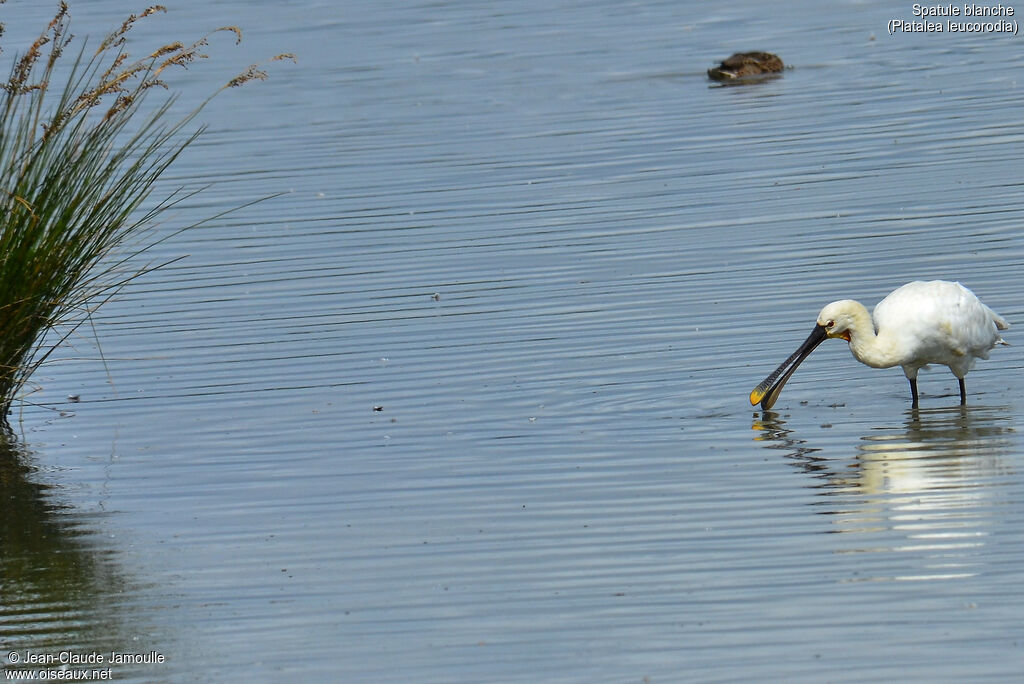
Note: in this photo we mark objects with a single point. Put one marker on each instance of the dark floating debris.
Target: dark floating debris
(746, 66)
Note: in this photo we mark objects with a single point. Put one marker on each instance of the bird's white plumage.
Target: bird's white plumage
(936, 322)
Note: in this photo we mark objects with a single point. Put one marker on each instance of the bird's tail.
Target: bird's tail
(1000, 322)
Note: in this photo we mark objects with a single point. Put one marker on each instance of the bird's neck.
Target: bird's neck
(877, 351)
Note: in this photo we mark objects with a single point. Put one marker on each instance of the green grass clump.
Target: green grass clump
(77, 162)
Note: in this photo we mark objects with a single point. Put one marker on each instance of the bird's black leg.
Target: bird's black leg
(913, 392)
(963, 392)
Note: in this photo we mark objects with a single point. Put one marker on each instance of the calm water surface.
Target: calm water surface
(468, 402)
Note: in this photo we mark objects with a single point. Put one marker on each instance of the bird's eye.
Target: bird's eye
(830, 324)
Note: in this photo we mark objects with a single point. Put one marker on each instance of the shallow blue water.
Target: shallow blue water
(556, 259)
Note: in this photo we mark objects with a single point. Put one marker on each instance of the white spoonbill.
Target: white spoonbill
(917, 324)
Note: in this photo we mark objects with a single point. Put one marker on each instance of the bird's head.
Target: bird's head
(838, 318)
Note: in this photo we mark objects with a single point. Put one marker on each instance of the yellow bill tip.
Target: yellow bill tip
(756, 396)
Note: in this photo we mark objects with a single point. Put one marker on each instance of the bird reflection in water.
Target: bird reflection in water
(924, 489)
